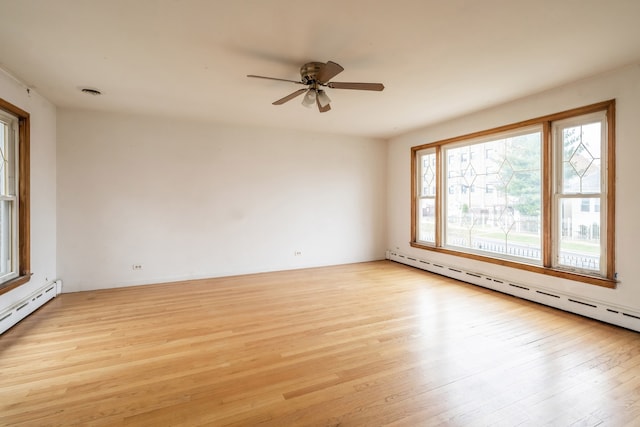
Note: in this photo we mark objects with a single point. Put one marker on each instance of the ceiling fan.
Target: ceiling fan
(316, 76)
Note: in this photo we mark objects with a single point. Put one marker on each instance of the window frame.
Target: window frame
(23, 205)
(607, 276)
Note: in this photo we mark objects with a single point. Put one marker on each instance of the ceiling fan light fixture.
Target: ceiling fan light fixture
(315, 76)
(309, 99)
(323, 98)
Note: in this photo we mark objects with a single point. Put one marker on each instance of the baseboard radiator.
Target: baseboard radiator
(28, 305)
(575, 304)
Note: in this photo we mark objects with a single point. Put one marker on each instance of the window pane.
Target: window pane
(427, 220)
(428, 174)
(579, 243)
(5, 237)
(494, 196)
(581, 147)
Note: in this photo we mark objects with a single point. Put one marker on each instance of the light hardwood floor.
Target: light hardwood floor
(356, 345)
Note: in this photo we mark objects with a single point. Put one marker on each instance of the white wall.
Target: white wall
(624, 86)
(43, 187)
(193, 200)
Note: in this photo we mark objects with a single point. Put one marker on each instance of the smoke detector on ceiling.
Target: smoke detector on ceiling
(91, 91)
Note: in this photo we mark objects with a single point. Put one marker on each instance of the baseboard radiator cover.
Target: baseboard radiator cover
(604, 312)
(28, 305)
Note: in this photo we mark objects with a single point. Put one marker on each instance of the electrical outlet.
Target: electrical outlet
(136, 266)
(297, 253)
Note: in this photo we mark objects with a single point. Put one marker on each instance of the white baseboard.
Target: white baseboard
(572, 303)
(28, 305)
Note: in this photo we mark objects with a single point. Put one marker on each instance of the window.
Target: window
(545, 199)
(580, 150)
(14, 197)
(426, 200)
(497, 219)
(8, 196)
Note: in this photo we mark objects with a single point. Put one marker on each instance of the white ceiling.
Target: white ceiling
(189, 58)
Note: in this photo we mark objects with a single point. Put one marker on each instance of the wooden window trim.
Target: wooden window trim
(24, 216)
(609, 280)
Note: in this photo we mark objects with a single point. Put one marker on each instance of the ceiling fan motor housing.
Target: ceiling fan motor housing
(309, 71)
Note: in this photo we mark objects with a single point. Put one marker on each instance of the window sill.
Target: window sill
(576, 277)
(14, 283)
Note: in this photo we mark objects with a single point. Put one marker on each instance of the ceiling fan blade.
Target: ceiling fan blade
(289, 97)
(356, 86)
(274, 78)
(320, 107)
(329, 71)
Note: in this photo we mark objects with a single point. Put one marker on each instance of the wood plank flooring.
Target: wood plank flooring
(357, 345)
